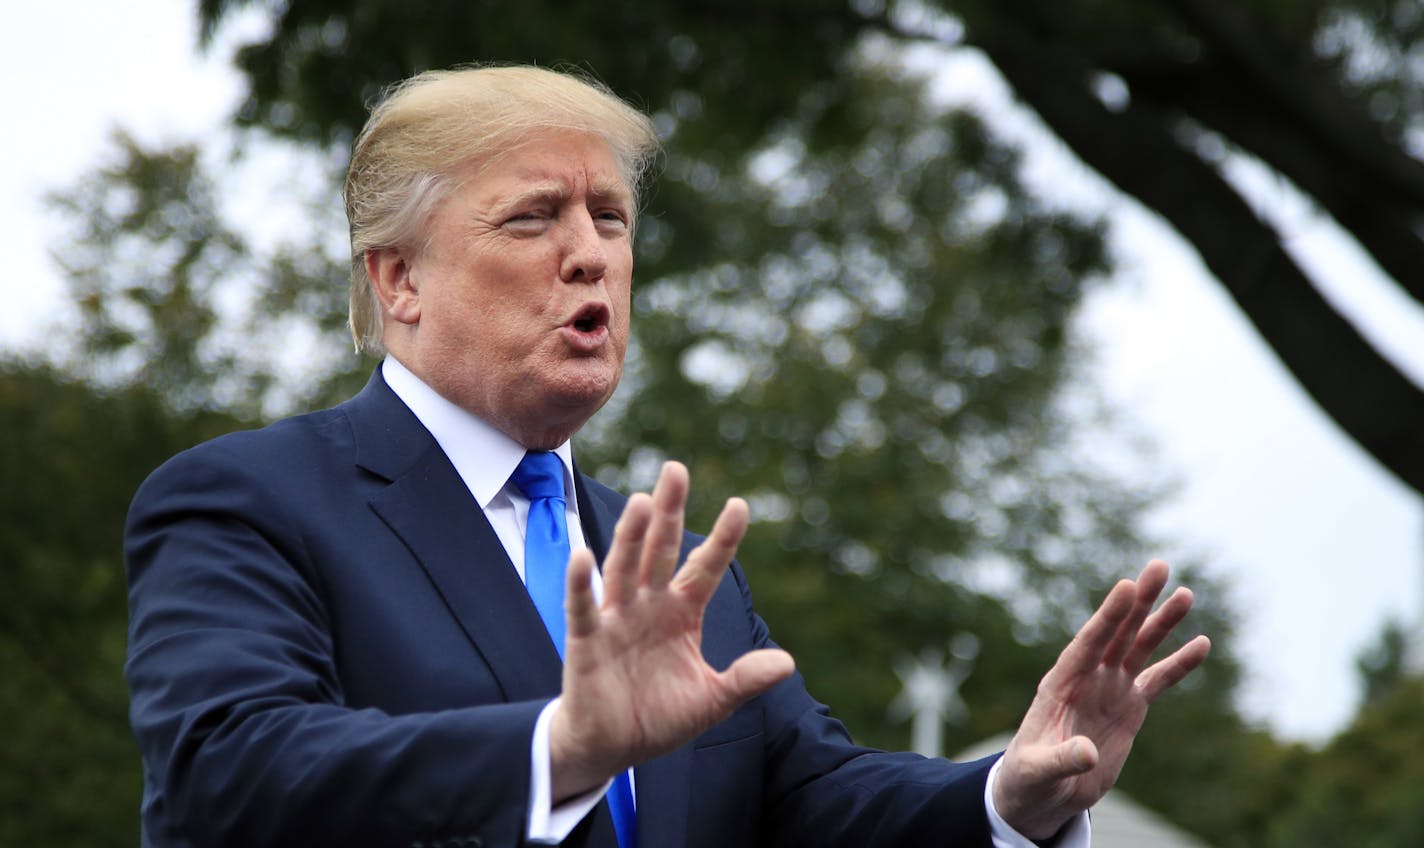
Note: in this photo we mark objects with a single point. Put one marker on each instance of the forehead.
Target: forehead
(553, 164)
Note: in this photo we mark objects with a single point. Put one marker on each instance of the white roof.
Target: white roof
(1120, 822)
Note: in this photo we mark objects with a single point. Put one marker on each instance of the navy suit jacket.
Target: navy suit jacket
(328, 646)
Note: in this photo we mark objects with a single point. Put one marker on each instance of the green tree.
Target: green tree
(1363, 788)
(1382, 667)
(170, 296)
(71, 459)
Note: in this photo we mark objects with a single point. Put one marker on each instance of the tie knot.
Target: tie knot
(540, 474)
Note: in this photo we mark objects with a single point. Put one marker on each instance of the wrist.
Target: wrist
(571, 771)
(1006, 807)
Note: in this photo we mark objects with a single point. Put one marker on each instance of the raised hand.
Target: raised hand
(1076, 735)
(635, 684)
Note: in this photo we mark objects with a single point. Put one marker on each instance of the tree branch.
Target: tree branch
(1293, 117)
(1304, 91)
(1371, 400)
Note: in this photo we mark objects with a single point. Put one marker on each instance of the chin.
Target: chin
(561, 409)
(578, 388)
(582, 402)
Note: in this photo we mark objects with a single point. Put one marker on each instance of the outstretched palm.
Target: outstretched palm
(635, 682)
(1079, 729)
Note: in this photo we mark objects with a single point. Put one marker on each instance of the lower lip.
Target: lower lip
(585, 341)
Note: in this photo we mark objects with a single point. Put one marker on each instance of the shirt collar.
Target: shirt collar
(483, 456)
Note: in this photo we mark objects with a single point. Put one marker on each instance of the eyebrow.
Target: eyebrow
(547, 193)
(611, 188)
(556, 191)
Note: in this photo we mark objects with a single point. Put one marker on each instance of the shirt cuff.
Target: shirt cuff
(550, 825)
(1076, 834)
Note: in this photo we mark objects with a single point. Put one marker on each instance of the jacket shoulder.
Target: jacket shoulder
(285, 444)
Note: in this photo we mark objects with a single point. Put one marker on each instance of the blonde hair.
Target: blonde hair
(429, 130)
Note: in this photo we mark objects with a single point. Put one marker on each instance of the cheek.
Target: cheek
(469, 333)
(622, 319)
(620, 292)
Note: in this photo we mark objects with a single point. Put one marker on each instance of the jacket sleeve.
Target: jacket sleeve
(238, 709)
(823, 790)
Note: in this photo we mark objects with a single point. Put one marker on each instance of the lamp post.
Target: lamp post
(930, 696)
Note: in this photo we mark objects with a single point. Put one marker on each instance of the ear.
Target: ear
(390, 273)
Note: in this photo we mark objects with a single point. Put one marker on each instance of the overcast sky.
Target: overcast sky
(1320, 543)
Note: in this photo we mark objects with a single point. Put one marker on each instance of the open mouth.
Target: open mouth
(590, 318)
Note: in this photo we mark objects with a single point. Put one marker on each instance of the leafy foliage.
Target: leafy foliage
(1383, 667)
(144, 266)
(71, 460)
(1363, 789)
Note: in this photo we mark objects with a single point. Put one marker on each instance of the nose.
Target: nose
(584, 259)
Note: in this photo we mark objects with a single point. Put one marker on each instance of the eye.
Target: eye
(527, 221)
(611, 219)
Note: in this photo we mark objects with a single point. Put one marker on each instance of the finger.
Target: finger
(664, 542)
(580, 611)
(1085, 651)
(1149, 585)
(620, 567)
(1168, 672)
(1156, 629)
(707, 563)
(755, 672)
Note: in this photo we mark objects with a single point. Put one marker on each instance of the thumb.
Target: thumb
(1030, 791)
(755, 672)
(1040, 766)
(1068, 759)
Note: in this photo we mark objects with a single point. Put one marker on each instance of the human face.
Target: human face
(520, 296)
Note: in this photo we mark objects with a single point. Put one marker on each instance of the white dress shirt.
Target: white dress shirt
(485, 458)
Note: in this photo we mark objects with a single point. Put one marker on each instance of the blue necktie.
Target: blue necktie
(540, 476)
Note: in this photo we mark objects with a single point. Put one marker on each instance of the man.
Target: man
(332, 641)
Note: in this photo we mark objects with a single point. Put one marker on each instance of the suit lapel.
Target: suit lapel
(598, 513)
(429, 508)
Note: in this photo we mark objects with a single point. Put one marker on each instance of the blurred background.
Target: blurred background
(981, 305)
